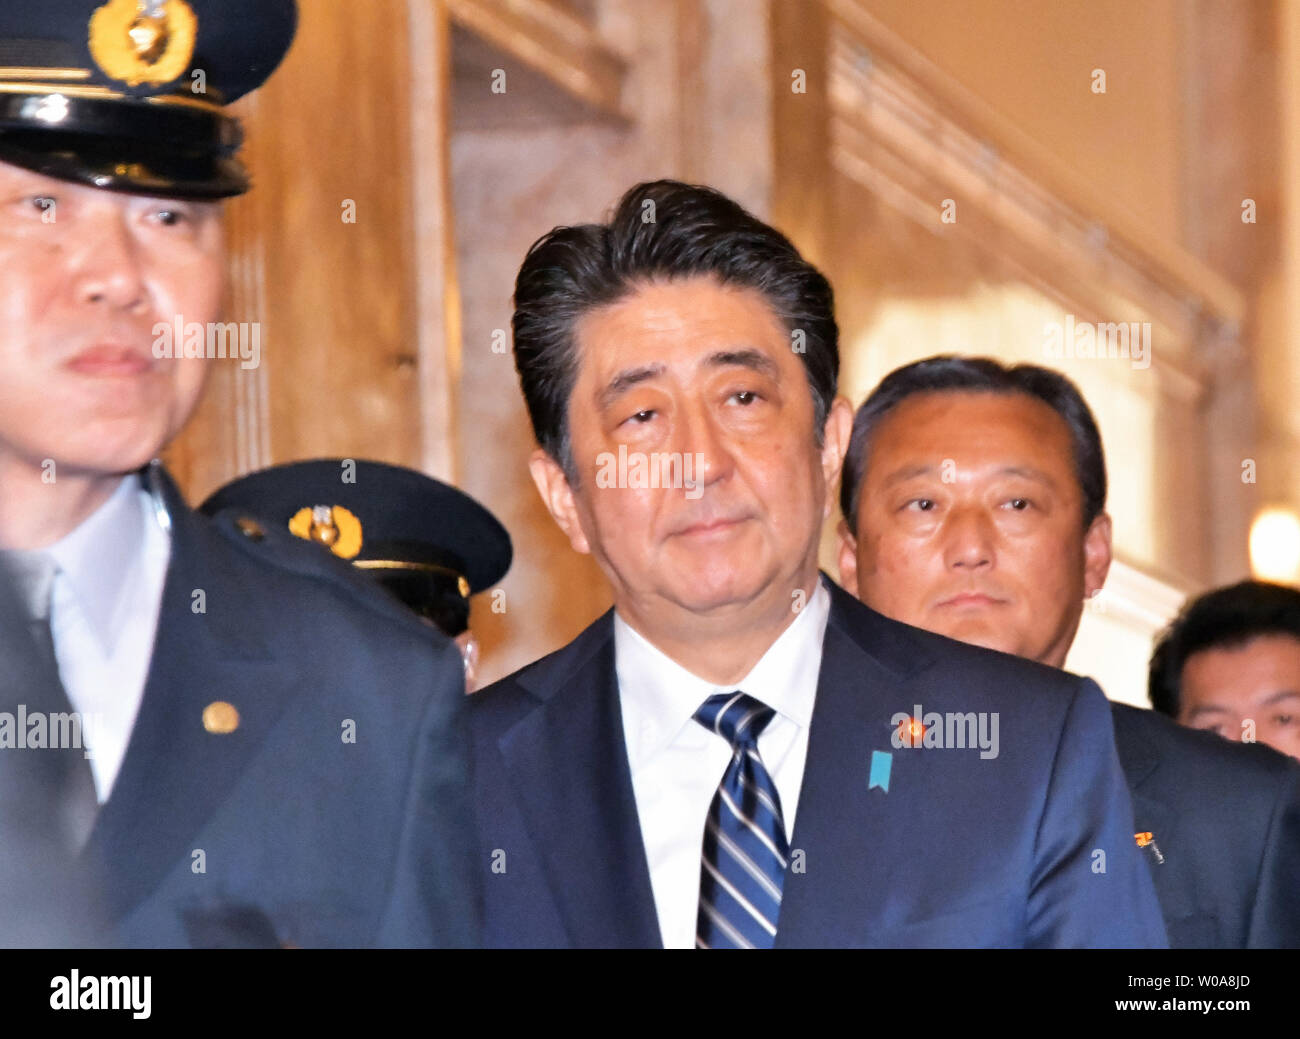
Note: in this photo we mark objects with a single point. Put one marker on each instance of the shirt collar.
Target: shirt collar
(664, 696)
(96, 559)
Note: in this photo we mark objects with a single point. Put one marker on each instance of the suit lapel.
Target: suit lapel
(568, 766)
(1140, 760)
(848, 834)
(176, 773)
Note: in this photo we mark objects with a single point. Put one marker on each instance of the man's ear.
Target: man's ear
(835, 441)
(848, 559)
(1096, 555)
(557, 495)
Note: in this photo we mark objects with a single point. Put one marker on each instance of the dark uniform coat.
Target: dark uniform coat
(336, 811)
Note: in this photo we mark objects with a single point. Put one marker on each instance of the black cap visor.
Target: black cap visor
(145, 148)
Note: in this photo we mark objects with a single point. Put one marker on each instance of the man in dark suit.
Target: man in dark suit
(739, 754)
(1229, 663)
(277, 752)
(974, 497)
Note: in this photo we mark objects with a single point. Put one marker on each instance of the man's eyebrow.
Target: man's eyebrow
(1028, 472)
(911, 472)
(624, 381)
(1208, 708)
(1279, 696)
(748, 357)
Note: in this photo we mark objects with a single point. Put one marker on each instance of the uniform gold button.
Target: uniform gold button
(220, 717)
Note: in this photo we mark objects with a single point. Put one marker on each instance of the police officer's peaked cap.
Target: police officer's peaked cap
(414, 533)
(130, 95)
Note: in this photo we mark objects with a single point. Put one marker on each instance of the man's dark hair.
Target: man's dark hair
(659, 231)
(980, 375)
(1224, 618)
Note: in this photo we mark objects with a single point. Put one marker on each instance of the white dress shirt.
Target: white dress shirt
(104, 617)
(677, 764)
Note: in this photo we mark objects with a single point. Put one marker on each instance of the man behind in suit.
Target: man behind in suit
(278, 754)
(1229, 663)
(727, 758)
(974, 501)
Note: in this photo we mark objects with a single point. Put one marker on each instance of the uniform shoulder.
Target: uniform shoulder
(281, 556)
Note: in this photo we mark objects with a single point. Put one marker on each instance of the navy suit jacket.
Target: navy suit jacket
(1033, 847)
(1225, 819)
(282, 832)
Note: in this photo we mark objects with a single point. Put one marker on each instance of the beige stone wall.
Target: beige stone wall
(1033, 61)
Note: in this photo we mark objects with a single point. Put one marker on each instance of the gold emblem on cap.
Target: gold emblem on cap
(143, 41)
(220, 717)
(330, 525)
(462, 586)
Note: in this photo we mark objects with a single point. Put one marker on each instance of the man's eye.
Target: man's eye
(1019, 504)
(172, 215)
(745, 397)
(1285, 719)
(42, 203)
(921, 504)
(642, 417)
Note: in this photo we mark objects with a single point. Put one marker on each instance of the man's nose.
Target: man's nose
(699, 436)
(110, 269)
(968, 539)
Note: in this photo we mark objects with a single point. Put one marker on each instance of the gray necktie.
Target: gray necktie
(34, 574)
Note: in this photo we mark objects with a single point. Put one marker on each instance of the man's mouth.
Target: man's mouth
(109, 360)
(716, 525)
(972, 600)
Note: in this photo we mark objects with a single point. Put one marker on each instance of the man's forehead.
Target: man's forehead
(981, 431)
(1267, 655)
(698, 301)
(1215, 696)
(688, 323)
(9, 173)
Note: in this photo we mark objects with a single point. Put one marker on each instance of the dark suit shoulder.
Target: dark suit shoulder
(1228, 816)
(1195, 760)
(507, 698)
(966, 669)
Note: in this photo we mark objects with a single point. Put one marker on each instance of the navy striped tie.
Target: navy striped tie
(745, 850)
